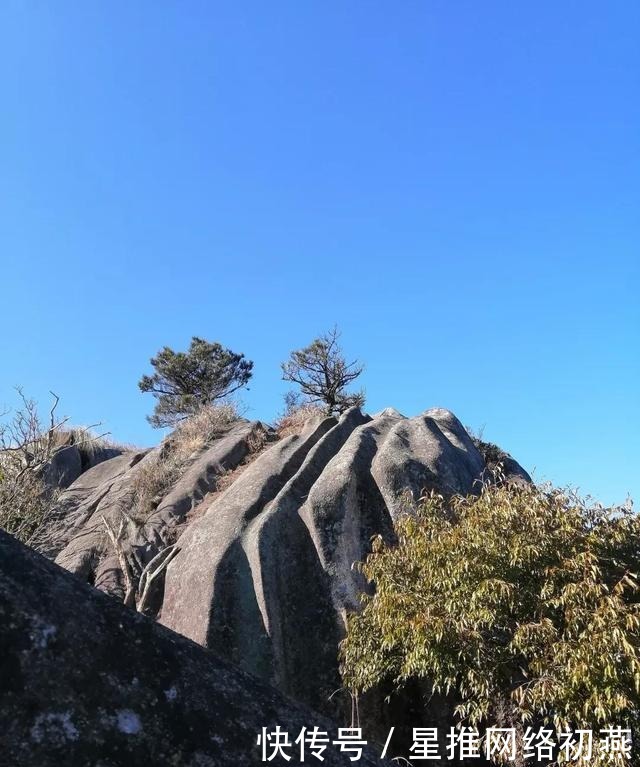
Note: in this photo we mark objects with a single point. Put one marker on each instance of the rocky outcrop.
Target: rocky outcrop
(76, 505)
(68, 462)
(85, 681)
(217, 578)
(82, 529)
(264, 574)
(500, 464)
(200, 478)
(107, 492)
(430, 452)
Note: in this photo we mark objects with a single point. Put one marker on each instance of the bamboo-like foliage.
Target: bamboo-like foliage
(524, 600)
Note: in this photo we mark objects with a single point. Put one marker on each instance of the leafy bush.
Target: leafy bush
(523, 600)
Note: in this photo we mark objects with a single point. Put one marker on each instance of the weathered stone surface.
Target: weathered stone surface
(225, 590)
(430, 452)
(87, 542)
(266, 575)
(86, 551)
(345, 509)
(64, 467)
(209, 594)
(76, 505)
(86, 682)
(70, 461)
(292, 589)
(200, 478)
(512, 470)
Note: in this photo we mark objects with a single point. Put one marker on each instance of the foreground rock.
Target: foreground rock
(85, 681)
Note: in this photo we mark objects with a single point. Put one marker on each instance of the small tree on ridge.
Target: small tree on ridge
(184, 382)
(323, 374)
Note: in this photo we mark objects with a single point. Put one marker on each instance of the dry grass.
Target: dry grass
(257, 443)
(89, 444)
(294, 419)
(27, 445)
(80, 436)
(207, 424)
(25, 503)
(155, 477)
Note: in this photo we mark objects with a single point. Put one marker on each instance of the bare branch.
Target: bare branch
(153, 570)
(322, 373)
(117, 542)
(52, 421)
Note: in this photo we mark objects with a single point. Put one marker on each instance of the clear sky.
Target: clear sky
(455, 183)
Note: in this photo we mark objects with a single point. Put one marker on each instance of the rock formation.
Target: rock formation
(85, 681)
(71, 460)
(268, 537)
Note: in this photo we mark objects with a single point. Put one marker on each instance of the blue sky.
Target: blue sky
(456, 184)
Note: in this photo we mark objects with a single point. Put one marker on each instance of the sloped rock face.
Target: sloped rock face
(432, 451)
(201, 477)
(77, 538)
(76, 506)
(84, 538)
(265, 577)
(85, 681)
(221, 578)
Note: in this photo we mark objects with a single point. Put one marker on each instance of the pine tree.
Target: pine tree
(184, 382)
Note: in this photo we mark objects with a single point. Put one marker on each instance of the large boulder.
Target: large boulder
(68, 462)
(86, 542)
(77, 504)
(219, 609)
(86, 682)
(265, 576)
(430, 452)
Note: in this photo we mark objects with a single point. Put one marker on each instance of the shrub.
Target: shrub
(523, 600)
(25, 502)
(26, 447)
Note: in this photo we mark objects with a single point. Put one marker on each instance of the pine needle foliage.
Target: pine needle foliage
(185, 382)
